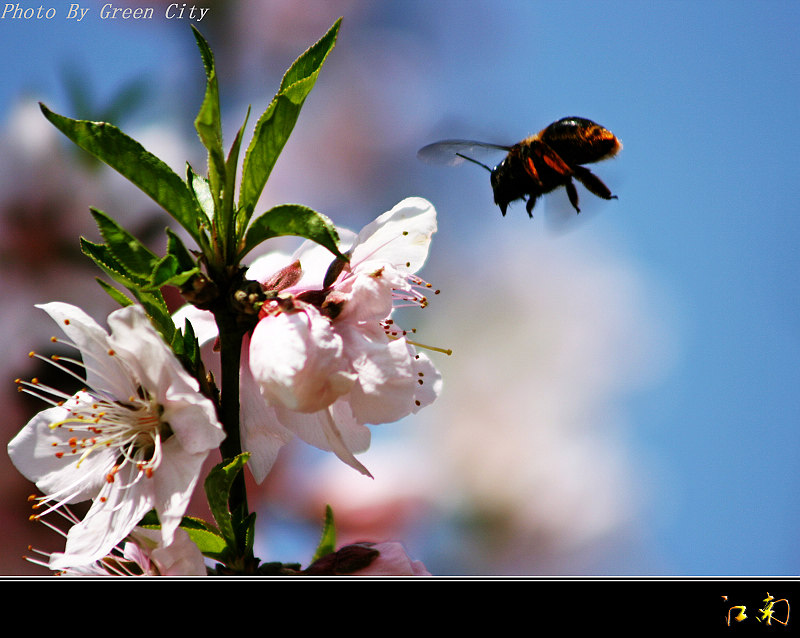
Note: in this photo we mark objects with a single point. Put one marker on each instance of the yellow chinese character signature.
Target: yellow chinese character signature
(766, 612)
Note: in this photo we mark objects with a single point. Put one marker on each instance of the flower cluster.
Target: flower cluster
(326, 358)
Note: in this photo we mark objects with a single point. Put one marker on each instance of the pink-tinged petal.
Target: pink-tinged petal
(265, 266)
(296, 359)
(366, 298)
(399, 237)
(386, 383)
(333, 429)
(262, 433)
(315, 260)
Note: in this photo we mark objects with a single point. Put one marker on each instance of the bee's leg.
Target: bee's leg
(592, 182)
(572, 193)
(530, 204)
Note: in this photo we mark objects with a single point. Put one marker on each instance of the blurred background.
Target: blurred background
(623, 396)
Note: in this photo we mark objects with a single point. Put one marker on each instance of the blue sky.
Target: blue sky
(704, 97)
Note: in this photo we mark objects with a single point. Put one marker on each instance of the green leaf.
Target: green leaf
(209, 120)
(101, 255)
(218, 486)
(133, 161)
(209, 128)
(177, 249)
(133, 256)
(207, 538)
(275, 125)
(327, 543)
(186, 347)
(295, 220)
(121, 298)
(151, 300)
(167, 272)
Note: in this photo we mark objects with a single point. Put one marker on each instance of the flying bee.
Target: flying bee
(540, 163)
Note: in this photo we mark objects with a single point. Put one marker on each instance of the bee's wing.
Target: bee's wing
(453, 152)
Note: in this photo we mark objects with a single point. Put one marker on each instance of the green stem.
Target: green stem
(231, 335)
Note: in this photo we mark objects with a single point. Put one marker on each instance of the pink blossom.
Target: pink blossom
(326, 358)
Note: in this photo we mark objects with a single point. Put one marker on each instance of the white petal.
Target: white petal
(367, 298)
(103, 371)
(112, 516)
(33, 453)
(431, 381)
(315, 260)
(180, 558)
(173, 484)
(191, 415)
(399, 237)
(150, 360)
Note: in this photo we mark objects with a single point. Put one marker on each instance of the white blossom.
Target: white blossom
(133, 440)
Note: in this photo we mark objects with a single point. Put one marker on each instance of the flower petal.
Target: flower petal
(103, 371)
(296, 359)
(33, 452)
(118, 508)
(332, 429)
(386, 383)
(262, 434)
(399, 237)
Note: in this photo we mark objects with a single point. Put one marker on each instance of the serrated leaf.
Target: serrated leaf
(208, 124)
(167, 272)
(151, 301)
(275, 125)
(133, 256)
(187, 348)
(121, 298)
(327, 542)
(176, 248)
(127, 156)
(102, 256)
(210, 544)
(218, 486)
(295, 220)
